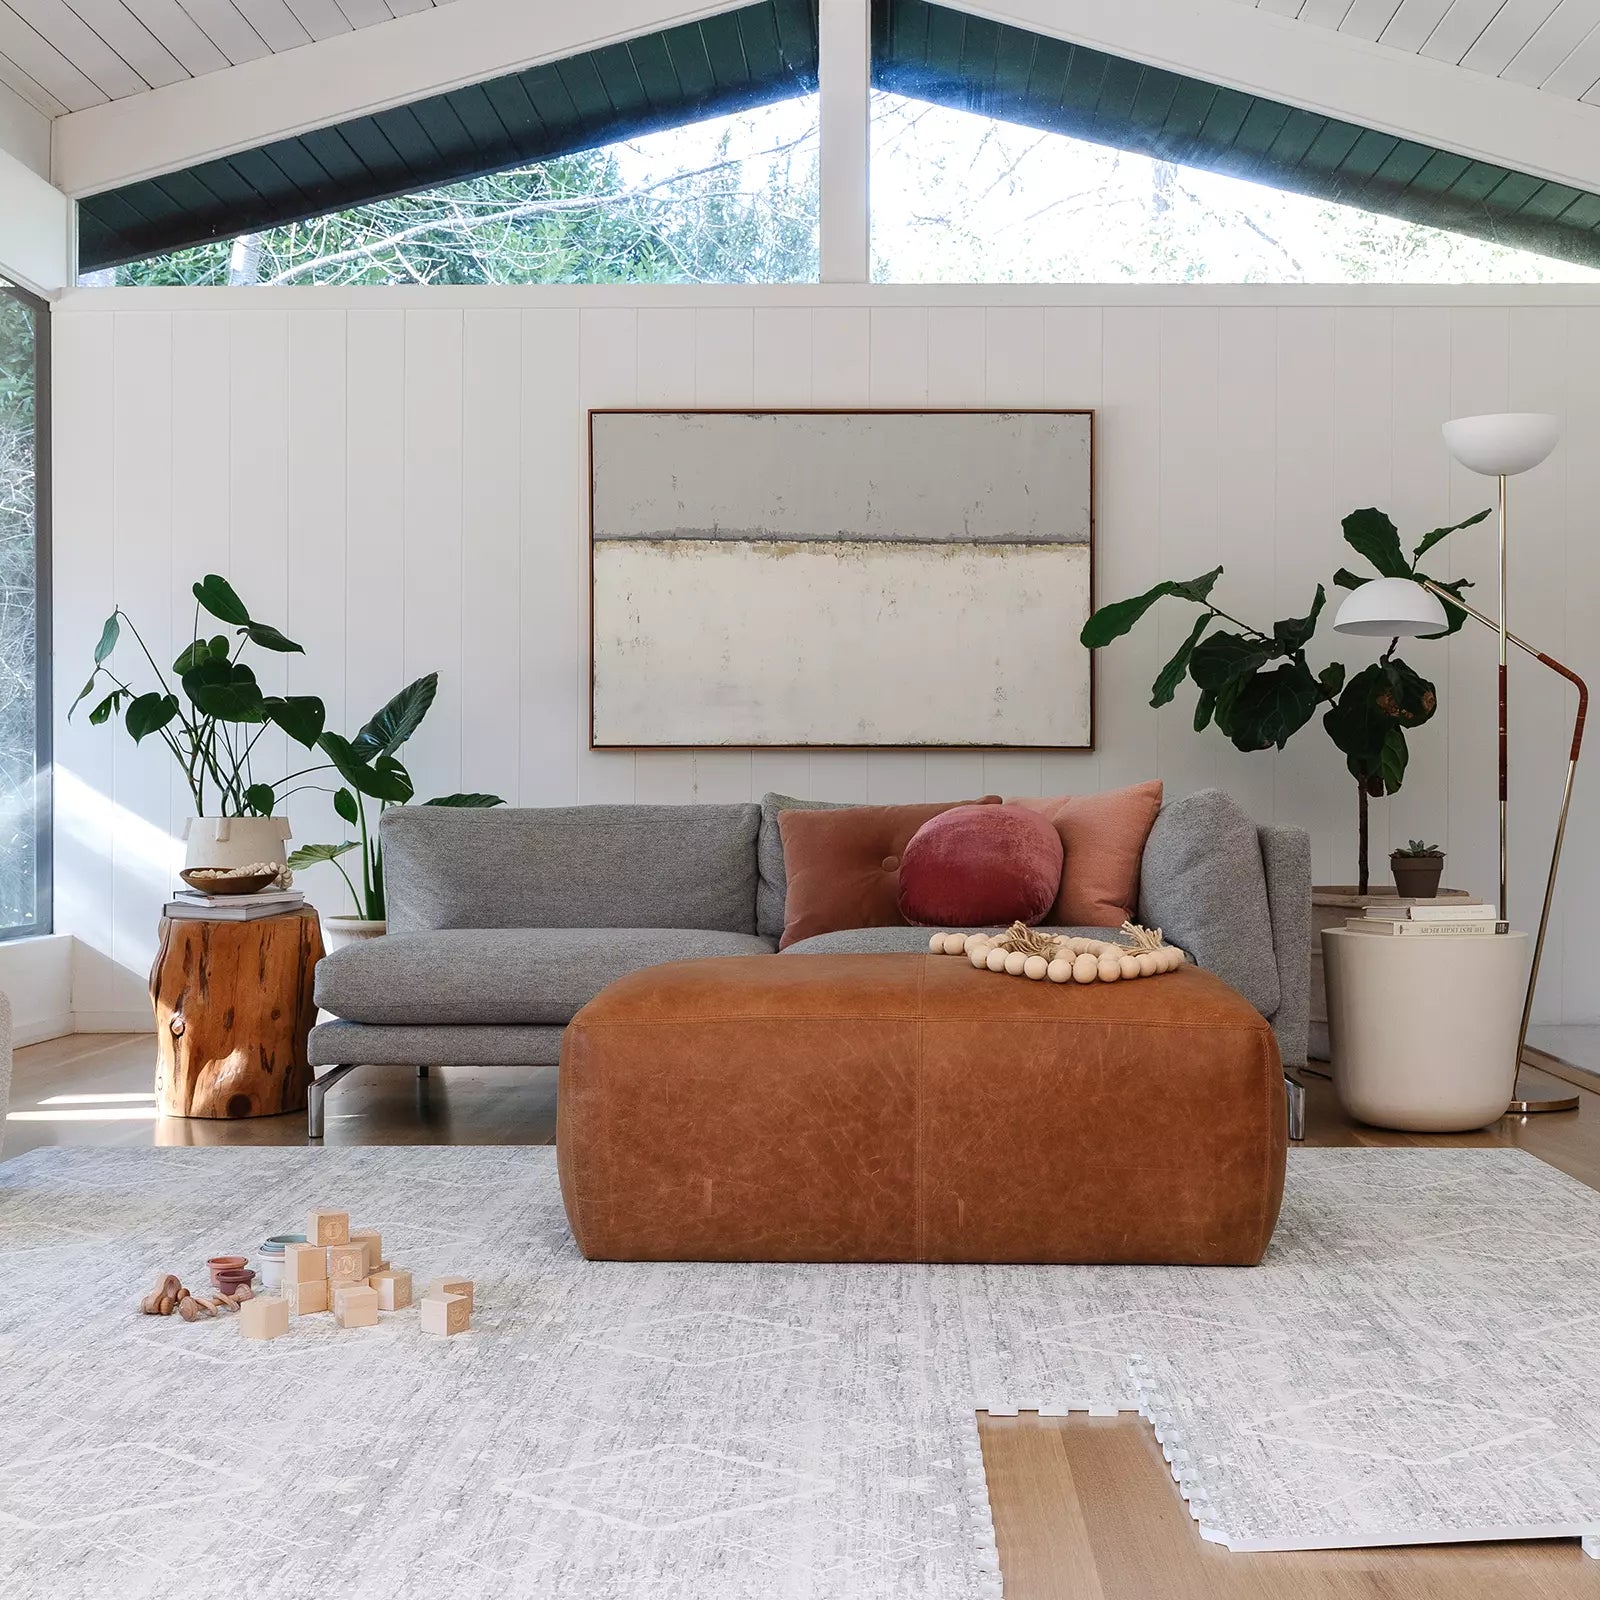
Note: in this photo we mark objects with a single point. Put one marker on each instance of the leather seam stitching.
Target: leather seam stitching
(677, 1021)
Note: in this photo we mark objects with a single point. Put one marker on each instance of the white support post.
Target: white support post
(844, 70)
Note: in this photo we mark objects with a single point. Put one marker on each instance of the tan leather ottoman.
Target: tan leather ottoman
(910, 1108)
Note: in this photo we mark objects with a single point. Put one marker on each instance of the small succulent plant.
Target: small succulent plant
(1415, 847)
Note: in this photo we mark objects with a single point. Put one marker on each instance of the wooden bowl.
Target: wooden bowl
(196, 878)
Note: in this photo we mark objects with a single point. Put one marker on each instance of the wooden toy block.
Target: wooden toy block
(437, 1288)
(347, 1263)
(355, 1306)
(371, 1238)
(393, 1286)
(447, 1313)
(306, 1299)
(305, 1263)
(265, 1317)
(328, 1227)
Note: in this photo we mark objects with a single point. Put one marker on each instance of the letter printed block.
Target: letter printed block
(437, 1288)
(449, 1313)
(305, 1263)
(347, 1263)
(264, 1317)
(328, 1227)
(355, 1306)
(393, 1287)
(306, 1299)
(373, 1240)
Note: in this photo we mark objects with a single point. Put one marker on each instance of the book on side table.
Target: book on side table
(195, 906)
(1441, 918)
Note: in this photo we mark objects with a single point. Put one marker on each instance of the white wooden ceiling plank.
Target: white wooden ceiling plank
(37, 96)
(225, 26)
(1281, 8)
(86, 49)
(1460, 28)
(322, 19)
(1412, 24)
(1366, 19)
(45, 64)
(275, 22)
(128, 36)
(1562, 32)
(1579, 71)
(179, 35)
(1325, 13)
(405, 8)
(364, 13)
(1513, 26)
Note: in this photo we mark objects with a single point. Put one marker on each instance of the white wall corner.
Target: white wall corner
(36, 976)
(36, 229)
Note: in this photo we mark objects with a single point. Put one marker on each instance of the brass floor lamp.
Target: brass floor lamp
(1499, 446)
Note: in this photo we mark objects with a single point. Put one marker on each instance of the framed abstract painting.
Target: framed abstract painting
(841, 579)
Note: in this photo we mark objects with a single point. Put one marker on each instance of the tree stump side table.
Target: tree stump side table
(233, 1008)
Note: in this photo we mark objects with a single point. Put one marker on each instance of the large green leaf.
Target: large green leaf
(308, 855)
(1392, 761)
(1378, 702)
(1171, 675)
(1370, 533)
(1331, 680)
(1204, 708)
(226, 690)
(1454, 614)
(1408, 698)
(260, 799)
(386, 731)
(346, 806)
(109, 635)
(1223, 657)
(475, 801)
(107, 707)
(1270, 707)
(150, 713)
(301, 716)
(216, 595)
(1112, 621)
(269, 638)
(194, 654)
(1346, 579)
(84, 692)
(1429, 540)
(384, 779)
(1294, 633)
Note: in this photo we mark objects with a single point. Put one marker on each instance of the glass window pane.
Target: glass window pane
(24, 861)
(959, 197)
(729, 200)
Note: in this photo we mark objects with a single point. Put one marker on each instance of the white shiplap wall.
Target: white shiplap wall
(397, 477)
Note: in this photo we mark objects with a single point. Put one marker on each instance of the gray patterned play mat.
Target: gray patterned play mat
(1416, 1361)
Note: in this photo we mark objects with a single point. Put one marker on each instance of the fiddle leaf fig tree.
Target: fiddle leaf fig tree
(1258, 688)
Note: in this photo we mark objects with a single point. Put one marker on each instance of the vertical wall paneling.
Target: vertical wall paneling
(400, 482)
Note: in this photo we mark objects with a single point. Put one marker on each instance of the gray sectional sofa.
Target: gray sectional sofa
(502, 923)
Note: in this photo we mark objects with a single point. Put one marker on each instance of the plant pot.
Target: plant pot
(1417, 877)
(337, 932)
(234, 841)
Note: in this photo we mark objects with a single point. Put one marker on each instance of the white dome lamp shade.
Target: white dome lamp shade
(1502, 444)
(1388, 608)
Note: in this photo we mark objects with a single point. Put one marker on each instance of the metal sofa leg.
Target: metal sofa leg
(1297, 1107)
(319, 1087)
(422, 1070)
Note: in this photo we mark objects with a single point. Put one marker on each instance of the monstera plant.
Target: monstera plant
(1259, 690)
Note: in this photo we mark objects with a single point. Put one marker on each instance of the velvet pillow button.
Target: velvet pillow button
(891, 863)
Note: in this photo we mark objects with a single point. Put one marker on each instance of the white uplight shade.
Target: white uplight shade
(1388, 608)
(1503, 442)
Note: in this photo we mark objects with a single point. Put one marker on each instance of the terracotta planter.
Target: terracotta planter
(337, 932)
(1417, 877)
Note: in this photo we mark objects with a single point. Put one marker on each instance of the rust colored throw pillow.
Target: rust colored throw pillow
(843, 867)
(1102, 838)
(979, 865)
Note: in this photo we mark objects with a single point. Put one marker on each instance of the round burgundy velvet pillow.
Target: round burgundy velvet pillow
(976, 865)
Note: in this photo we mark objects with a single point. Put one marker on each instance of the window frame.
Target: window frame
(43, 878)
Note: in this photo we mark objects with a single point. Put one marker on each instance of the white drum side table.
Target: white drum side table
(1423, 1029)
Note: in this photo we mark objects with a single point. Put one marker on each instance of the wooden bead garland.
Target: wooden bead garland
(1024, 952)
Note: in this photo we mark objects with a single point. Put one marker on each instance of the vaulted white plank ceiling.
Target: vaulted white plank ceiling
(1552, 45)
(67, 55)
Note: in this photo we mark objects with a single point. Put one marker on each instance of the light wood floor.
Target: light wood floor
(1085, 1508)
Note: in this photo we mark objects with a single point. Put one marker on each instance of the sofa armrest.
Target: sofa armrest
(1286, 860)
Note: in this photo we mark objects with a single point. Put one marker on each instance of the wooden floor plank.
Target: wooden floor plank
(1084, 1507)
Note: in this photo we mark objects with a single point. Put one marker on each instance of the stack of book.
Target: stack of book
(1441, 918)
(191, 903)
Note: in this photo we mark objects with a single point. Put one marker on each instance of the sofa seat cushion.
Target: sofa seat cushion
(902, 941)
(514, 976)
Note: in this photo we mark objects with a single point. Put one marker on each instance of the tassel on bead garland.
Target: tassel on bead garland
(1024, 952)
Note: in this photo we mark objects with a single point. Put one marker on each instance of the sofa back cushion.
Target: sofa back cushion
(843, 865)
(616, 866)
(1102, 841)
(1203, 884)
